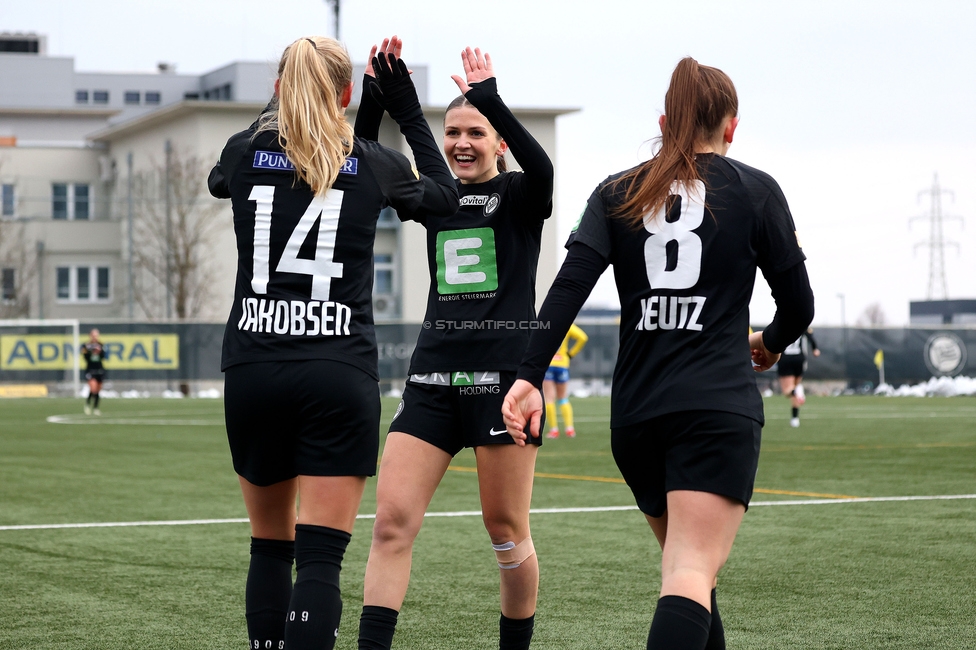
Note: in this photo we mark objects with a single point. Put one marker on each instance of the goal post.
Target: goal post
(10, 327)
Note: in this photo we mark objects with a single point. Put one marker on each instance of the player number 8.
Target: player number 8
(689, 254)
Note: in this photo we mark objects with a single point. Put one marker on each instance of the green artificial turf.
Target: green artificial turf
(888, 574)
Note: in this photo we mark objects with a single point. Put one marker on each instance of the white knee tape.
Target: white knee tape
(510, 555)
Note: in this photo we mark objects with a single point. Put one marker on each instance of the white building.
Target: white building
(70, 143)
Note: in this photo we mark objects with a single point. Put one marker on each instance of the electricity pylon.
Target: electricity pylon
(938, 287)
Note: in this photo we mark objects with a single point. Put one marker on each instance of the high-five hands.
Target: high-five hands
(393, 88)
(477, 67)
(392, 45)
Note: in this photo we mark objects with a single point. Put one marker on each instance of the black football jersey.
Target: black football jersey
(482, 260)
(305, 262)
(800, 347)
(685, 280)
(94, 354)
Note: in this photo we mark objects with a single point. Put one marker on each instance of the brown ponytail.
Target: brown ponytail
(312, 128)
(698, 100)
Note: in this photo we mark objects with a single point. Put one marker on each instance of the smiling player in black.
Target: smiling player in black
(685, 233)
(480, 309)
(299, 355)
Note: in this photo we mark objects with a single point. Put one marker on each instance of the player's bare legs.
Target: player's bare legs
(271, 509)
(787, 384)
(505, 474)
(410, 472)
(331, 501)
(699, 529)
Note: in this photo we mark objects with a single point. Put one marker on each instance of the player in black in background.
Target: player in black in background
(482, 263)
(301, 383)
(790, 369)
(94, 354)
(685, 233)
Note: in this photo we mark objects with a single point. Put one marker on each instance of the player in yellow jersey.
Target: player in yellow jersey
(556, 384)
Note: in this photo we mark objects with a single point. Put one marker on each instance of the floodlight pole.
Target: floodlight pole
(843, 327)
(335, 14)
(169, 232)
(132, 297)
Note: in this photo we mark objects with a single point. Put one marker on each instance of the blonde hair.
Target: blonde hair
(307, 113)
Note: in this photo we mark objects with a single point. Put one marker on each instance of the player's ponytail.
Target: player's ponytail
(500, 163)
(312, 128)
(698, 100)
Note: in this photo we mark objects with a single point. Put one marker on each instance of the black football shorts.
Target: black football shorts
(309, 418)
(791, 366)
(704, 451)
(454, 410)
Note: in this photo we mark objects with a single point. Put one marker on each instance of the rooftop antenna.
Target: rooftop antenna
(335, 15)
(938, 288)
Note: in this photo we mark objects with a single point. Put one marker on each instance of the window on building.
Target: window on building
(59, 206)
(81, 96)
(83, 283)
(383, 274)
(7, 203)
(132, 97)
(153, 97)
(71, 201)
(64, 283)
(100, 96)
(388, 217)
(81, 202)
(8, 285)
(102, 283)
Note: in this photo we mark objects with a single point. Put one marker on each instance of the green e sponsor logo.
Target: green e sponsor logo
(579, 220)
(466, 261)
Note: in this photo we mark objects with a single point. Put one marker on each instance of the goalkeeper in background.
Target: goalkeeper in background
(555, 387)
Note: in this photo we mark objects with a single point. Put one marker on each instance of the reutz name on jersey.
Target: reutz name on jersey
(671, 312)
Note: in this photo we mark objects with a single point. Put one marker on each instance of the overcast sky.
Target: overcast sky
(851, 106)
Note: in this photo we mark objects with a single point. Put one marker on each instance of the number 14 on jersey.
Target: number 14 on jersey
(325, 209)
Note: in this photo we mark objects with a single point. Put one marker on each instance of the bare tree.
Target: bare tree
(172, 238)
(18, 257)
(872, 316)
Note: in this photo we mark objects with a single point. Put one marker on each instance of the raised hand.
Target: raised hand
(477, 67)
(392, 45)
(522, 406)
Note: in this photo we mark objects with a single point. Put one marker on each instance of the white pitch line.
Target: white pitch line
(477, 513)
(88, 420)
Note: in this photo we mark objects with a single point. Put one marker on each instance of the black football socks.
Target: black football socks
(316, 604)
(716, 633)
(268, 591)
(376, 627)
(679, 624)
(515, 633)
